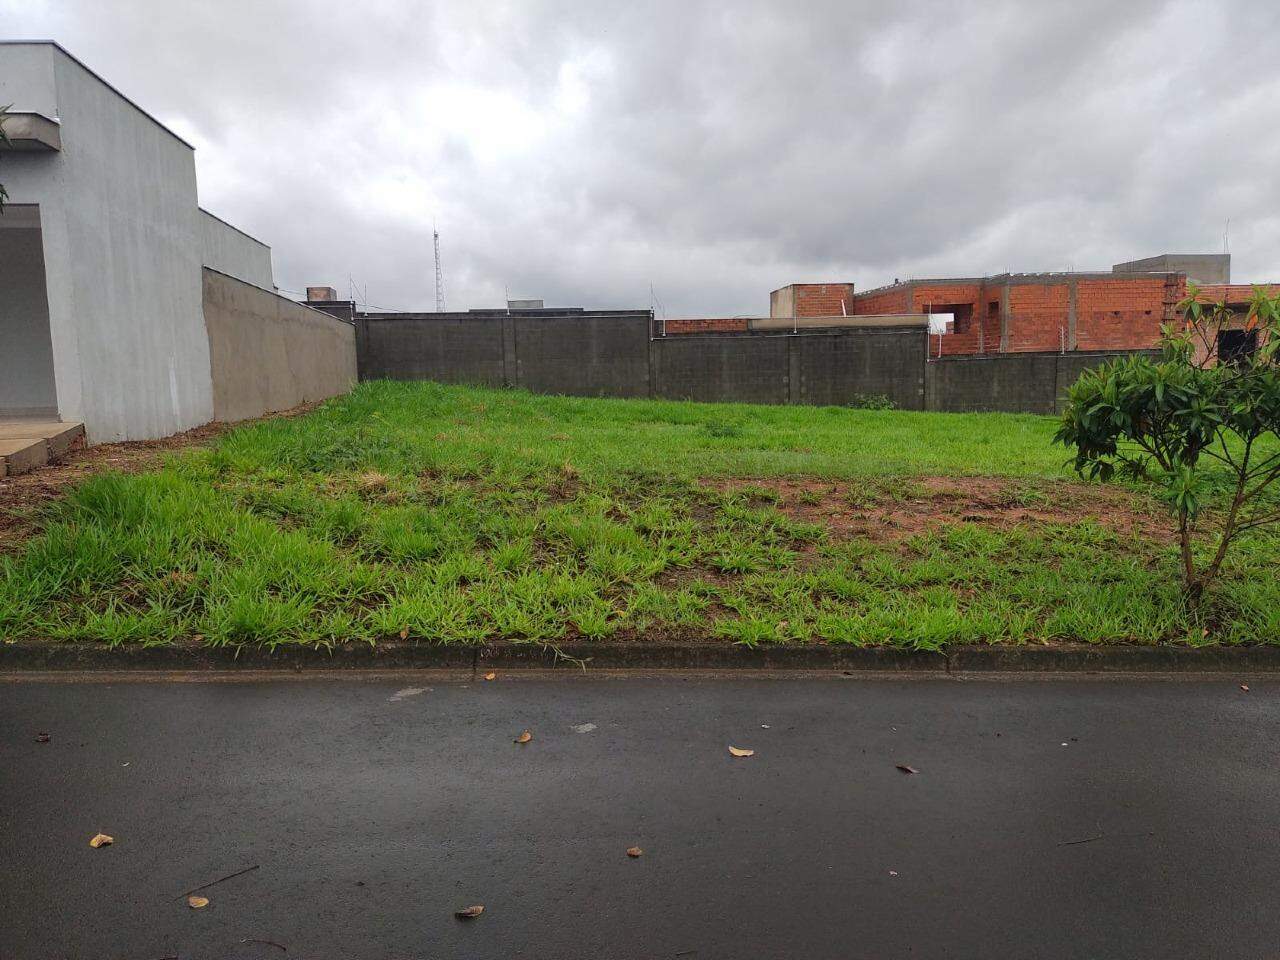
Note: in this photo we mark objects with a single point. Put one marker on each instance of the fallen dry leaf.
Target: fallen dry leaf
(197, 903)
(524, 737)
(404, 633)
(469, 913)
(101, 840)
(905, 769)
(741, 752)
(491, 675)
(634, 851)
(45, 738)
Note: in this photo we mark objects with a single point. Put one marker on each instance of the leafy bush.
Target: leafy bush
(1193, 422)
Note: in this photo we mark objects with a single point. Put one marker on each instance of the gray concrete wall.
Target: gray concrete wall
(26, 352)
(268, 353)
(743, 368)
(447, 349)
(782, 302)
(583, 355)
(1199, 267)
(230, 250)
(614, 356)
(843, 368)
(1009, 383)
(121, 242)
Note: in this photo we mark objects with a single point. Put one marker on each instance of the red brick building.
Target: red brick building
(1019, 312)
(1033, 312)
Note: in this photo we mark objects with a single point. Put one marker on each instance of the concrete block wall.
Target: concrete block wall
(1008, 383)
(446, 349)
(842, 368)
(582, 355)
(268, 353)
(747, 369)
(615, 356)
(587, 355)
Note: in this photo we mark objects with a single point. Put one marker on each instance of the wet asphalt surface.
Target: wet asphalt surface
(370, 818)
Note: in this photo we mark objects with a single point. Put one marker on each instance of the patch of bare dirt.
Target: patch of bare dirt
(22, 497)
(888, 511)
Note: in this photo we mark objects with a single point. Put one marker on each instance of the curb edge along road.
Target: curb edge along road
(17, 657)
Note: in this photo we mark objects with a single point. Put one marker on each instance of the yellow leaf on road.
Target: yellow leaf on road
(634, 851)
(491, 675)
(524, 737)
(197, 903)
(741, 752)
(469, 913)
(101, 840)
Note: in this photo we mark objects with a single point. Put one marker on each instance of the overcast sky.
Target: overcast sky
(581, 151)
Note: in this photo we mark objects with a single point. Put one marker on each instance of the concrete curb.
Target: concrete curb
(1082, 658)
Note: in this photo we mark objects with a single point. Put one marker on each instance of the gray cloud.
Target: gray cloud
(581, 152)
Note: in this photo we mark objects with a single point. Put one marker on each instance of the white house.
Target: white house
(107, 263)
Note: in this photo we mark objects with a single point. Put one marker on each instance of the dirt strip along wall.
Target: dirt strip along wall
(268, 353)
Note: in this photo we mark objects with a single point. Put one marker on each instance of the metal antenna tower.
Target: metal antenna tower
(435, 234)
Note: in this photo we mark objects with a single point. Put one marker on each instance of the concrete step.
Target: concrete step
(28, 444)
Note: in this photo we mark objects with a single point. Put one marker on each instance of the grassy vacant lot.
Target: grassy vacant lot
(458, 515)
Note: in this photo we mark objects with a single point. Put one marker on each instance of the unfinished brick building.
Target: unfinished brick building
(1034, 312)
(1019, 312)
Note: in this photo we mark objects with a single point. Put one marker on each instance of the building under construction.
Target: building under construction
(1018, 312)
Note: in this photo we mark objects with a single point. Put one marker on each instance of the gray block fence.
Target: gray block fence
(617, 355)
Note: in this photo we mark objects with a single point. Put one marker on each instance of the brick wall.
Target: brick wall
(969, 333)
(1234, 293)
(709, 325)
(1125, 313)
(1120, 313)
(823, 299)
(878, 302)
(1038, 316)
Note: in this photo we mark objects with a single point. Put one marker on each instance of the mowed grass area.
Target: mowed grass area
(447, 514)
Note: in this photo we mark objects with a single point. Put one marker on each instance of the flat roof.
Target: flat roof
(97, 76)
(1041, 277)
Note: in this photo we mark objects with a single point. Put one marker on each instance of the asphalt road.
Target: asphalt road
(1048, 819)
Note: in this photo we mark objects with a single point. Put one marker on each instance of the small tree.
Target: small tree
(1201, 422)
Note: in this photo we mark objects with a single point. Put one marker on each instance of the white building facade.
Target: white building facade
(102, 250)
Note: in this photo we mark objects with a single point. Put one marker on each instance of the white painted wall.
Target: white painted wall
(230, 250)
(122, 251)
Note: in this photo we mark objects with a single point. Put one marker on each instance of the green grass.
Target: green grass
(459, 515)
